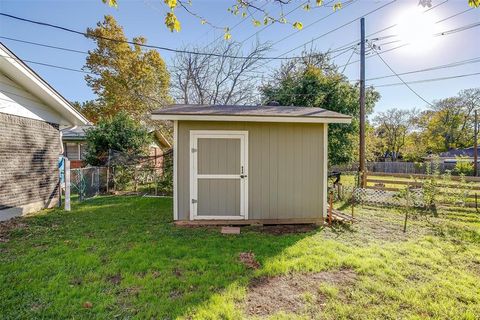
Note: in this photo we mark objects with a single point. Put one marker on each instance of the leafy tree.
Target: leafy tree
(90, 109)
(392, 127)
(446, 125)
(314, 82)
(125, 78)
(118, 133)
(246, 9)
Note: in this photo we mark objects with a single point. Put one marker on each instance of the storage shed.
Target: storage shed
(249, 164)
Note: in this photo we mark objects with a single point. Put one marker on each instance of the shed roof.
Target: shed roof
(249, 113)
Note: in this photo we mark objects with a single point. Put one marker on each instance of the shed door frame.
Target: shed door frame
(194, 176)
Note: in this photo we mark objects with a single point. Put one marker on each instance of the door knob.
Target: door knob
(243, 176)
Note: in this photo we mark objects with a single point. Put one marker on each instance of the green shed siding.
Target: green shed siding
(286, 161)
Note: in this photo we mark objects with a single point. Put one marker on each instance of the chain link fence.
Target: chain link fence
(148, 176)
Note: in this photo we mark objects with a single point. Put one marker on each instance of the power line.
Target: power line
(44, 45)
(269, 25)
(313, 23)
(448, 65)
(338, 28)
(139, 44)
(236, 25)
(400, 78)
(428, 80)
(49, 65)
(289, 94)
(352, 49)
(444, 33)
(394, 25)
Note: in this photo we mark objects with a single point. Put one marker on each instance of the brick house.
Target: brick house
(31, 114)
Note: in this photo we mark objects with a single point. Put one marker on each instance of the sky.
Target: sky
(414, 27)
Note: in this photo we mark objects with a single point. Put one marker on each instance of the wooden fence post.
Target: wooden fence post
(67, 185)
(353, 201)
(330, 209)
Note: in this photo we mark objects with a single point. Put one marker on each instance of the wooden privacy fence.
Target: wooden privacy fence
(396, 167)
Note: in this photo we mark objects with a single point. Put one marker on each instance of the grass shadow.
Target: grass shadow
(122, 257)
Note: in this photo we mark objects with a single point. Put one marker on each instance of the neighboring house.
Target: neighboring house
(249, 164)
(31, 114)
(453, 155)
(74, 146)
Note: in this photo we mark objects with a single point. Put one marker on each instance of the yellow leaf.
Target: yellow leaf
(171, 3)
(319, 2)
(337, 6)
(306, 7)
(111, 3)
(227, 35)
(172, 22)
(298, 25)
(474, 3)
(256, 23)
(244, 14)
(265, 20)
(283, 20)
(203, 21)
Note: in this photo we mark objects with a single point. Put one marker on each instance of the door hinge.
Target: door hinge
(194, 150)
(194, 201)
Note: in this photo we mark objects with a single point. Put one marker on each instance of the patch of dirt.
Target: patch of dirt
(77, 281)
(175, 294)
(115, 279)
(6, 228)
(269, 295)
(177, 272)
(248, 259)
(282, 229)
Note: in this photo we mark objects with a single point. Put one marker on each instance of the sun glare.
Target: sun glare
(417, 29)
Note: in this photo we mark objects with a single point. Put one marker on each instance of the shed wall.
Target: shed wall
(287, 168)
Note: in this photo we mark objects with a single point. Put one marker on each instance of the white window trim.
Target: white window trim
(194, 176)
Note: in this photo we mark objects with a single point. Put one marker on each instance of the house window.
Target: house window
(71, 151)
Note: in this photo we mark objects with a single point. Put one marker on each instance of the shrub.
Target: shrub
(119, 133)
(463, 166)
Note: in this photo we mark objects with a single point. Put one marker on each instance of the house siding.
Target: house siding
(18, 101)
(29, 151)
(287, 168)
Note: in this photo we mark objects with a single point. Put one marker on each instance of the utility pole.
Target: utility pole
(361, 169)
(475, 146)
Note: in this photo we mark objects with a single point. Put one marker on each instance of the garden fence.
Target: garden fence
(125, 175)
(88, 182)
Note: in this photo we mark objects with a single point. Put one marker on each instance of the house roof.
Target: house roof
(16, 69)
(262, 113)
(74, 133)
(77, 133)
(452, 153)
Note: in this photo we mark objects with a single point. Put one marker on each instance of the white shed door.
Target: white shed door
(218, 166)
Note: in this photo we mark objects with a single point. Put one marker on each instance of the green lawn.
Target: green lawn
(120, 257)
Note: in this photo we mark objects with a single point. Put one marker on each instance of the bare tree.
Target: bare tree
(217, 78)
